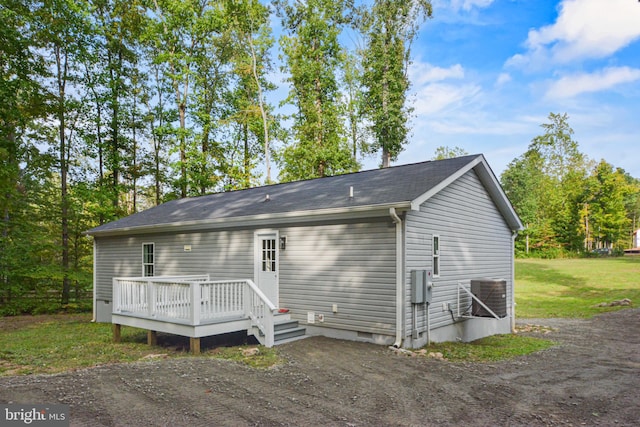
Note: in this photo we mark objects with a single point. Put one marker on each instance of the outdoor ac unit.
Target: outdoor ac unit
(493, 293)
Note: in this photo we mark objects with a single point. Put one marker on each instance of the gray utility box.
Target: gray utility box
(421, 286)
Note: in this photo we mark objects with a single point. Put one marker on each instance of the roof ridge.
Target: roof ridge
(277, 184)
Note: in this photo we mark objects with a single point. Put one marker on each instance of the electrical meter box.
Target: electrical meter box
(421, 286)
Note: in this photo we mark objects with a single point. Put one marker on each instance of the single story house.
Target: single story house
(387, 256)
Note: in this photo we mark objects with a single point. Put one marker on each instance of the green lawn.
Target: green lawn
(573, 287)
(56, 343)
(544, 288)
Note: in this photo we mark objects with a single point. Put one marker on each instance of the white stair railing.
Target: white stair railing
(261, 312)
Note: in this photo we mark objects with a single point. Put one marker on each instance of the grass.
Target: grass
(51, 344)
(544, 288)
(574, 287)
(554, 288)
(490, 349)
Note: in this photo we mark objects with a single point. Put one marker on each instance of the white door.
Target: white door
(266, 268)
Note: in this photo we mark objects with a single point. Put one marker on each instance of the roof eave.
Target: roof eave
(293, 217)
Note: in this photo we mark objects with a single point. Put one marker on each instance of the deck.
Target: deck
(195, 306)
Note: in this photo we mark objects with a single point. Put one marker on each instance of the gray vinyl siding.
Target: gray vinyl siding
(221, 254)
(475, 242)
(351, 265)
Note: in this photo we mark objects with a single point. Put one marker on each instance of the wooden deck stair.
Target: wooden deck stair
(196, 307)
(287, 330)
(284, 330)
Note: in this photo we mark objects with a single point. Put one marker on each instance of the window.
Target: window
(436, 256)
(148, 259)
(269, 255)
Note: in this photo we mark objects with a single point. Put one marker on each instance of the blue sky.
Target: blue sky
(487, 73)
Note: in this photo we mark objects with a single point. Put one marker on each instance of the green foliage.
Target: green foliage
(389, 28)
(569, 205)
(574, 287)
(444, 152)
(313, 56)
(490, 349)
(604, 212)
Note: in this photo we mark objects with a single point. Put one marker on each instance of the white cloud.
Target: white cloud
(437, 97)
(583, 29)
(421, 73)
(469, 4)
(573, 85)
(433, 91)
(503, 78)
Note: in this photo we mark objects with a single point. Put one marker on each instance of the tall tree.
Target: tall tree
(111, 65)
(356, 122)
(251, 62)
(159, 119)
(63, 34)
(313, 56)
(604, 207)
(524, 183)
(390, 27)
(23, 101)
(546, 187)
(632, 203)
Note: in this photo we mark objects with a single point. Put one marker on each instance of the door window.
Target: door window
(268, 254)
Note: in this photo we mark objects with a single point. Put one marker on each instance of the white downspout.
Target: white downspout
(95, 276)
(514, 234)
(399, 276)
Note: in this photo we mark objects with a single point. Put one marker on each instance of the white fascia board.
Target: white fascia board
(251, 221)
(415, 204)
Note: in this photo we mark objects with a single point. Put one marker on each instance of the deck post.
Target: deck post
(115, 288)
(151, 298)
(116, 328)
(194, 287)
(194, 345)
(152, 338)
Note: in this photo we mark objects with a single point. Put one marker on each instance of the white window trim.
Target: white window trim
(436, 256)
(144, 264)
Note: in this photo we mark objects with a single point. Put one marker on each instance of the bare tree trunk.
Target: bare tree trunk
(263, 112)
(62, 68)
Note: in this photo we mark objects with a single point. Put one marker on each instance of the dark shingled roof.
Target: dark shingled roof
(372, 187)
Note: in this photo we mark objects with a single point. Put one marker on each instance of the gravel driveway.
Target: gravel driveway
(592, 377)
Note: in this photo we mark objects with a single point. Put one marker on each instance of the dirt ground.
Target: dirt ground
(592, 377)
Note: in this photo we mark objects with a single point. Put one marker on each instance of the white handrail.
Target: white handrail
(261, 311)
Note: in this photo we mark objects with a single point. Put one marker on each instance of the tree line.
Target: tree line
(112, 106)
(570, 204)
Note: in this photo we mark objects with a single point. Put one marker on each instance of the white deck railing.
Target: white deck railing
(194, 300)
